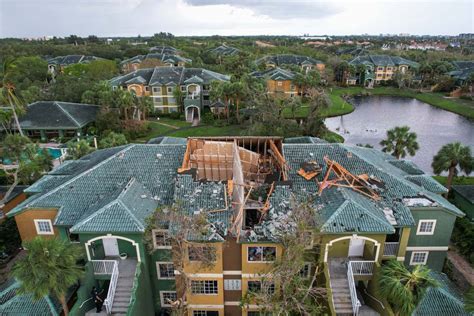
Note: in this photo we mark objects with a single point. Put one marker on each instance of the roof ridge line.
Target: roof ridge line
(84, 173)
(137, 222)
(67, 113)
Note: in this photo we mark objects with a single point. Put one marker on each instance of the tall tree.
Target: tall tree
(8, 95)
(50, 267)
(78, 149)
(113, 140)
(400, 142)
(404, 288)
(453, 157)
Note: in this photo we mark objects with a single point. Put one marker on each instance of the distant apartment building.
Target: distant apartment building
(379, 68)
(368, 206)
(160, 83)
(304, 62)
(279, 82)
(57, 64)
(153, 60)
(225, 50)
(463, 71)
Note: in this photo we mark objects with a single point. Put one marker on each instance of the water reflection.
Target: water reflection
(374, 115)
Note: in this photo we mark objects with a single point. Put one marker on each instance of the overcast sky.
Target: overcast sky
(32, 18)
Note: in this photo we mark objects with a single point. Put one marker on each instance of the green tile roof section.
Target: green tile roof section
(442, 300)
(72, 59)
(159, 76)
(225, 50)
(288, 59)
(277, 74)
(61, 115)
(383, 61)
(12, 303)
(164, 57)
(127, 213)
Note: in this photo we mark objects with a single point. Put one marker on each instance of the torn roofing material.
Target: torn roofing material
(125, 184)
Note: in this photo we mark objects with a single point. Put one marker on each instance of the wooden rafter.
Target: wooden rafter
(343, 178)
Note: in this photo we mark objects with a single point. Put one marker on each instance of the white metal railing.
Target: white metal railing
(352, 289)
(112, 286)
(103, 266)
(391, 249)
(361, 267)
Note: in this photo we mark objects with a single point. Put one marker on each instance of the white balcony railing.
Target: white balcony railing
(361, 267)
(352, 289)
(391, 249)
(103, 267)
(112, 286)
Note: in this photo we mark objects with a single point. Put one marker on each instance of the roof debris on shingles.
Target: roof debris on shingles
(92, 193)
(61, 115)
(12, 303)
(442, 300)
(288, 59)
(169, 76)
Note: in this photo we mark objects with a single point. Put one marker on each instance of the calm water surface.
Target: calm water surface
(374, 115)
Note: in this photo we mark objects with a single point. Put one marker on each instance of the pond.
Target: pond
(374, 115)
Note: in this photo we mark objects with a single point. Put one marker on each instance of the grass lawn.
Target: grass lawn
(204, 130)
(458, 106)
(456, 181)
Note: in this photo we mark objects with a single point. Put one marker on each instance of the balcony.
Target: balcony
(391, 249)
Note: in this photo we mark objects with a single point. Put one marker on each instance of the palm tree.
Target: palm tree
(400, 142)
(49, 268)
(8, 95)
(453, 157)
(238, 92)
(403, 288)
(469, 300)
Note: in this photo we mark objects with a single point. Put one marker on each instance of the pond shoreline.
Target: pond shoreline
(433, 99)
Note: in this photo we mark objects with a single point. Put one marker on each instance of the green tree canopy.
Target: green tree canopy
(400, 142)
(78, 149)
(49, 267)
(113, 140)
(453, 157)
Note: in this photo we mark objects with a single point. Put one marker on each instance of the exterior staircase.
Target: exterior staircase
(340, 287)
(123, 291)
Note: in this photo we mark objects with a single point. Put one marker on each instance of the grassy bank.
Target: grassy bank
(456, 181)
(339, 106)
(461, 107)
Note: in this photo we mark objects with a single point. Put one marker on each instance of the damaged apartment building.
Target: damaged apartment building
(370, 207)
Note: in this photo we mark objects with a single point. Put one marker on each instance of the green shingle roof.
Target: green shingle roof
(61, 115)
(12, 303)
(440, 301)
(288, 59)
(225, 50)
(274, 74)
(383, 61)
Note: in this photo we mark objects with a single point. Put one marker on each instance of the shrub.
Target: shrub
(208, 118)
(135, 129)
(463, 238)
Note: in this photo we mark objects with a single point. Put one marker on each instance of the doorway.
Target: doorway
(356, 247)
(110, 247)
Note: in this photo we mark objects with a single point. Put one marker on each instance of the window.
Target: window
(156, 89)
(171, 100)
(183, 88)
(256, 286)
(418, 257)
(389, 68)
(379, 75)
(72, 237)
(305, 271)
(205, 313)
(170, 89)
(261, 254)
(426, 227)
(292, 87)
(161, 239)
(380, 68)
(167, 297)
(165, 270)
(158, 100)
(232, 284)
(147, 88)
(198, 253)
(44, 227)
(279, 83)
(204, 287)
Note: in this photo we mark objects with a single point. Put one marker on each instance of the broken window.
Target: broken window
(261, 254)
(252, 218)
(161, 239)
(257, 286)
(201, 253)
